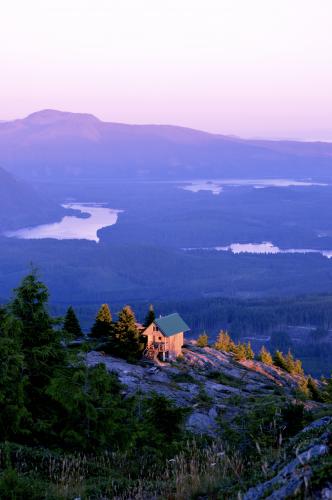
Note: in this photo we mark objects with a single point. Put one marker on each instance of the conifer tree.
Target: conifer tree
(249, 352)
(13, 411)
(313, 389)
(240, 351)
(298, 370)
(265, 356)
(71, 324)
(290, 362)
(279, 360)
(202, 340)
(303, 389)
(40, 345)
(224, 342)
(40, 341)
(126, 335)
(150, 317)
(93, 416)
(102, 326)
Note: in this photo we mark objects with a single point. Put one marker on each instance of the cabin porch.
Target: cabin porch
(156, 350)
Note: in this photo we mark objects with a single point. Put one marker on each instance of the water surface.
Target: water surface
(215, 186)
(72, 227)
(266, 247)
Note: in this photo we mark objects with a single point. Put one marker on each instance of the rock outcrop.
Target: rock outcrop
(208, 382)
(295, 473)
(219, 394)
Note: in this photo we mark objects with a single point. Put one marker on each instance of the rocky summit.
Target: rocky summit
(207, 382)
(220, 393)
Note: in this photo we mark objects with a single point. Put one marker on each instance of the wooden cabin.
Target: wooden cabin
(165, 337)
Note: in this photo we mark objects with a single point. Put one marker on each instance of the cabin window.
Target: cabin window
(155, 328)
(160, 338)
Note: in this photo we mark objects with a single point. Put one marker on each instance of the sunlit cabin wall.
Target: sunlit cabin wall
(175, 345)
(154, 335)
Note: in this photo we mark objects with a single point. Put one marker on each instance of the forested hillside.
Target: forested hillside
(78, 422)
(21, 205)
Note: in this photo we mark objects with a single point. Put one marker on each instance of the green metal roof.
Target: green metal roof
(171, 324)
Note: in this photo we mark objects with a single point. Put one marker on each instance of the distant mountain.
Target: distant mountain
(54, 144)
(22, 205)
(313, 149)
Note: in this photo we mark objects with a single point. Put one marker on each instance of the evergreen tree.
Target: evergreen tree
(71, 324)
(126, 340)
(13, 412)
(40, 341)
(91, 406)
(240, 351)
(313, 389)
(303, 389)
(290, 362)
(265, 356)
(249, 352)
(298, 370)
(40, 345)
(279, 360)
(162, 420)
(224, 342)
(202, 340)
(150, 317)
(103, 323)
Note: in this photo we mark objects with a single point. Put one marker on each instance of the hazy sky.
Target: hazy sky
(245, 67)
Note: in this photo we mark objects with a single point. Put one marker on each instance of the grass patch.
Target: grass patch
(203, 399)
(223, 378)
(184, 378)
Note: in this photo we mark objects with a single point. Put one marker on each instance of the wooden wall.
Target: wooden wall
(173, 344)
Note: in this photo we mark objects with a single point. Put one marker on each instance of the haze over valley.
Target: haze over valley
(166, 250)
(127, 213)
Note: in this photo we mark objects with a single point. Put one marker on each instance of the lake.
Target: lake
(72, 227)
(215, 186)
(266, 247)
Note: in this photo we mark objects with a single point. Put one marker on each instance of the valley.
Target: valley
(166, 250)
(119, 236)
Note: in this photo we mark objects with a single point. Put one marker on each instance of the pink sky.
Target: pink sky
(245, 67)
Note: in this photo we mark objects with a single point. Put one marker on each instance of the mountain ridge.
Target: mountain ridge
(51, 115)
(52, 144)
